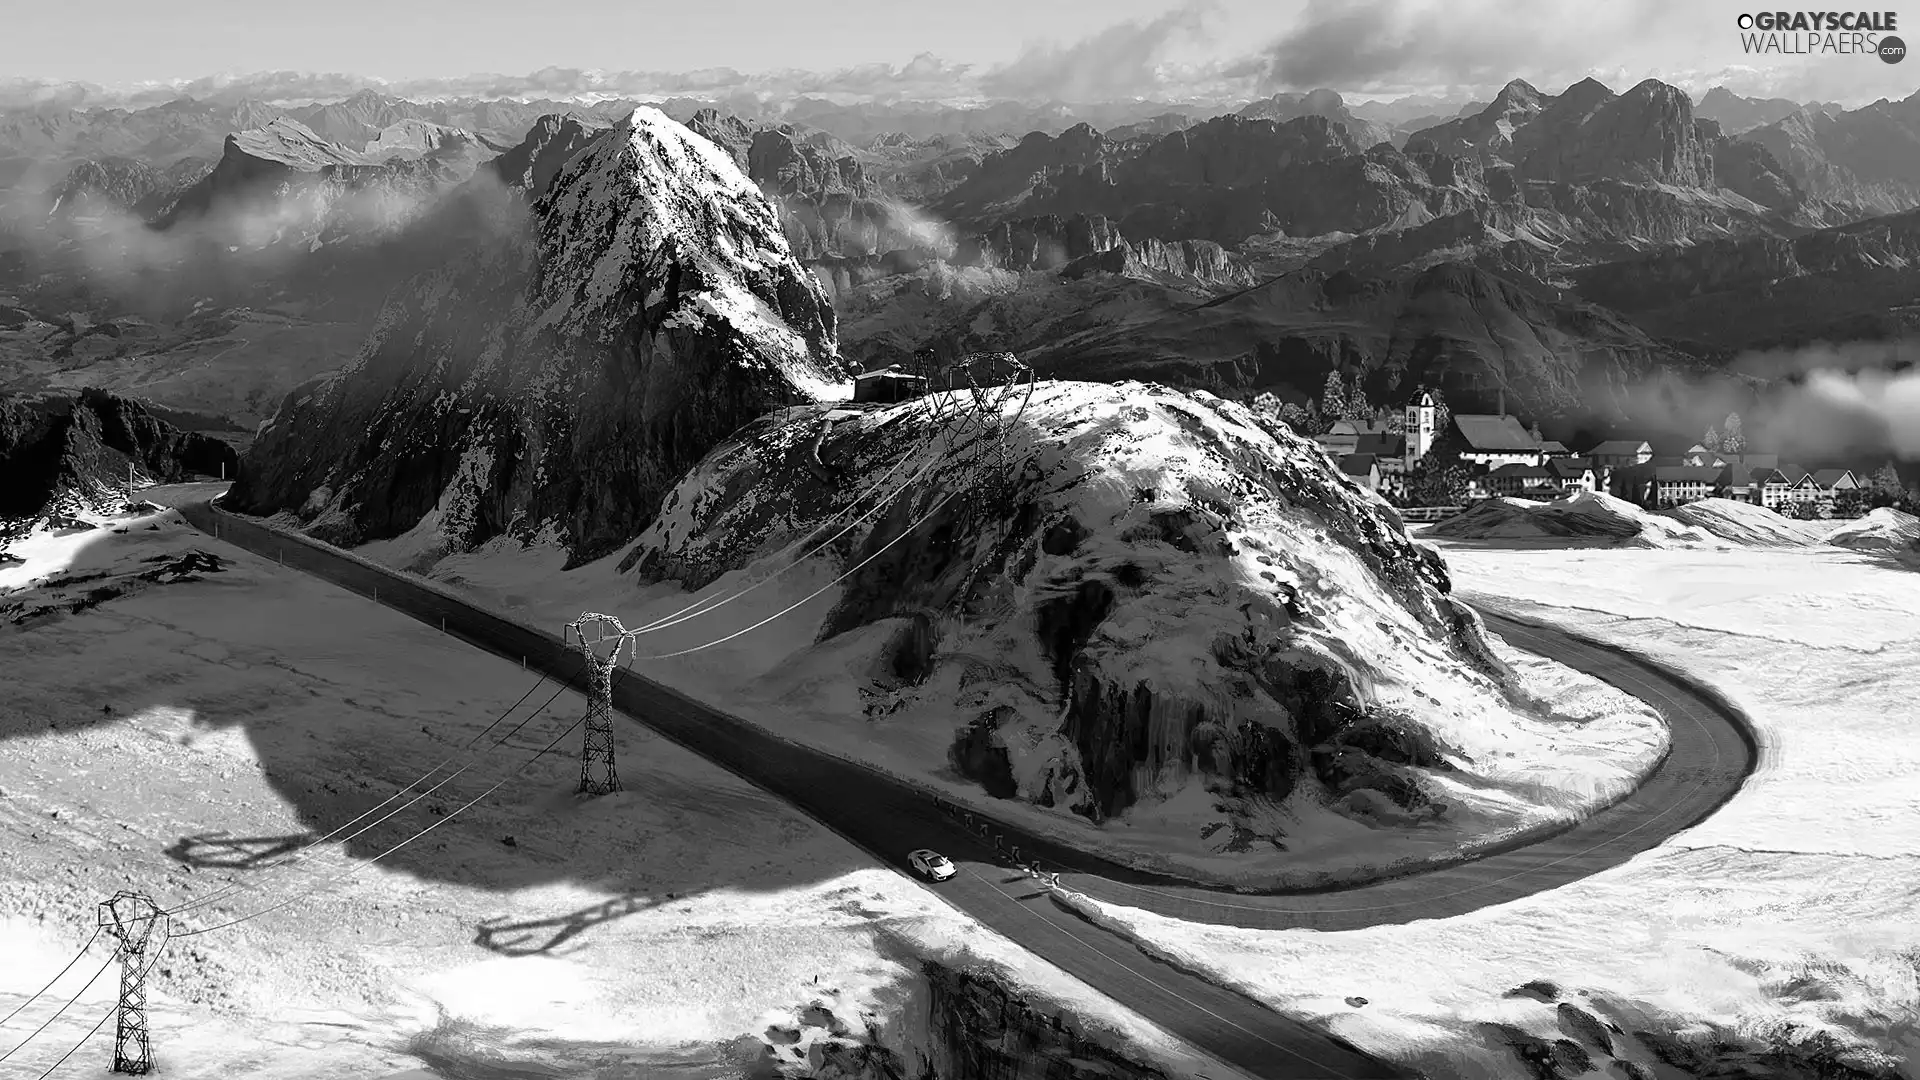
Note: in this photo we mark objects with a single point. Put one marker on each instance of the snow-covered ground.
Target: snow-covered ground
(1789, 917)
(1573, 743)
(194, 729)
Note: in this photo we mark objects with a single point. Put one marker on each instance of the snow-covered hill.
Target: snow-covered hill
(1136, 605)
(564, 376)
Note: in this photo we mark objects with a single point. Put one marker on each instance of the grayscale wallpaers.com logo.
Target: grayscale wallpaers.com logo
(1811, 33)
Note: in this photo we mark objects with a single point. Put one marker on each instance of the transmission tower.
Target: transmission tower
(591, 632)
(141, 929)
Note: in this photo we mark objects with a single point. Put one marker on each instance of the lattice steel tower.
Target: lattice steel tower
(141, 929)
(591, 632)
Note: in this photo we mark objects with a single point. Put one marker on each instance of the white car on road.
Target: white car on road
(935, 866)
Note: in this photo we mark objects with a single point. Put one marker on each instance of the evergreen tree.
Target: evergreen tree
(1885, 488)
(1733, 439)
(1442, 416)
(1358, 408)
(1536, 433)
(1295, 417)
(1265, 404)
(1713, 440)
(1333, 396)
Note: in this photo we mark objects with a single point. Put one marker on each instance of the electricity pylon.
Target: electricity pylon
(140, 927)
(591, 632)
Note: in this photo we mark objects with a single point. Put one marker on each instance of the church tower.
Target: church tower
(1419, 427)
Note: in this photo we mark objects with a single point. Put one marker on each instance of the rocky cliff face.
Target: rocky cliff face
(1031, 581)
(1201, 261)
(563, 378)
(1048, 242)
(62, 451)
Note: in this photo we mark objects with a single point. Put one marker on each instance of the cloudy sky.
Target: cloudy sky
(1076, 50)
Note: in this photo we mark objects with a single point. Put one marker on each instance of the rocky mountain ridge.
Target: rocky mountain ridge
(561, 378)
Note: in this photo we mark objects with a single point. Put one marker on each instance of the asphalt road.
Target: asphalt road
(1712, 754)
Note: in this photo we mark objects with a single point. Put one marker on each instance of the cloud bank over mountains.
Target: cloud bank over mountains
(1202, 51)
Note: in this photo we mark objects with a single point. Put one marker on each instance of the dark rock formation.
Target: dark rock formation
(531, 165)
(564, 379)
(74, 448)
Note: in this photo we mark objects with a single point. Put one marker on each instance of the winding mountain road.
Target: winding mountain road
(1713, 752)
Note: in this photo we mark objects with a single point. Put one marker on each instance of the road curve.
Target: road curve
(1713, 752)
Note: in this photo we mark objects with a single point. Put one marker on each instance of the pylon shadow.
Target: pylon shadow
(544, 937)
(218, 851)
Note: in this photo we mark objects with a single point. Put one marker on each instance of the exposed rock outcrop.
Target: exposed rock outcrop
(70, 450)
(564, 378)
(1041, 243)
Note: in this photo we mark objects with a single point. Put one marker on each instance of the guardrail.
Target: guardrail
(1428, 514)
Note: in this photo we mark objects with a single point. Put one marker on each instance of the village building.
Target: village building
(1520, 481)
(1496, 440)
(1786, 487)
(1621, 453)
(887, 386)
(1677, 484)
(1573, 474)
(1363, 469)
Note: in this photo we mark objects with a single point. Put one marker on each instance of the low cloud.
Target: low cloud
(1119, 62)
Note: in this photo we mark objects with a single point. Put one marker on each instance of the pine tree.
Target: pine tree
(1885, 486)
(1357, 409)
(1538, 436)
(1295, 417)
(1733, 440)
(1333, 396)
(1265, 404)
(1713, 440)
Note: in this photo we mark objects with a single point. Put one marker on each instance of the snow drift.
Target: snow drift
(1884, 529)
(1600, 518)
(1131, 603)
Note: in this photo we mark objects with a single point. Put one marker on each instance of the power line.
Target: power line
(49, 1020)
(238, 887)
(524, 766)
(702, 607)
(63, 974)
(850, 571)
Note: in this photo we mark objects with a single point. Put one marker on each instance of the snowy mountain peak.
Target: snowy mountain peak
(653, 224)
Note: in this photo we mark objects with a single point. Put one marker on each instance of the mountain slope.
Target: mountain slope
(1868, 157)
(562, 377)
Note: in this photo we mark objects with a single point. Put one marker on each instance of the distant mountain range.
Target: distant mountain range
(1552, 246)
